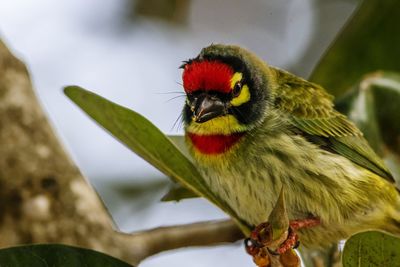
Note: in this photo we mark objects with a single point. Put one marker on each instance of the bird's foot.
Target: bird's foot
(263, 256)
(261, 237)
(259, 254)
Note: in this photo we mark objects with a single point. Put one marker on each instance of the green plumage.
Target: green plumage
(311, 110)
(297, 140)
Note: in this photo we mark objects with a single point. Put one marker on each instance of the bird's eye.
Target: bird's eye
(236, 89)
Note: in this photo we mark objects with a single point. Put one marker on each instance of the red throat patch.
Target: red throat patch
(214, 144)
(207, 75)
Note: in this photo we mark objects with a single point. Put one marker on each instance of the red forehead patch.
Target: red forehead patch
(207, 75)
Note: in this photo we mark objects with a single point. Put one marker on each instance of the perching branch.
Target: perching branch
(151, 242)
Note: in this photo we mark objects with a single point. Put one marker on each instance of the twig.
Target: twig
(148, 243)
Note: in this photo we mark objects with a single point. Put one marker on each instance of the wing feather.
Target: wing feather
(312, 112)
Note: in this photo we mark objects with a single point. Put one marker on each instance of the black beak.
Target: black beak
(206, 107)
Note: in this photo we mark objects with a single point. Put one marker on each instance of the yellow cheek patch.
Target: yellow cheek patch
(226, 125)
(242, 98)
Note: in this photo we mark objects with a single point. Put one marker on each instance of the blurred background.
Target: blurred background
(129, 51)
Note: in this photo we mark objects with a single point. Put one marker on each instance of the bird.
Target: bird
(252, 129)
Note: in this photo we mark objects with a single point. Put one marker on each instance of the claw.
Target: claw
(255, 249)
(262, 234)
(273, 252)
(305, 223)
(297, 244)
(252, 246)
(261, 237)
(290, 242)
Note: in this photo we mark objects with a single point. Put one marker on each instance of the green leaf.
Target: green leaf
(178, 193)
(279, 218)
(369, 42)
(55, 255)
(370, 249)
(386, 88)
(146, 140)
(179, 142)
(359, 105)
(373, 105)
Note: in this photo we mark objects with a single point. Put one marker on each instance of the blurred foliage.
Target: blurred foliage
(374, 106)
(372, 249)
(141, 194)
(173, 11)
(55, 255)
(369, 42)
(139, 190)
(330, 256)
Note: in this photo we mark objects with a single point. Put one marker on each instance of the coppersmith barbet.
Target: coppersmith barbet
(253, 128)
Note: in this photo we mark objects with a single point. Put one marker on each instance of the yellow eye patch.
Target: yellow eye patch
(237, 77)
(244, 95)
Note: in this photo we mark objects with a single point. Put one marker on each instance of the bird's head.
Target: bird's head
(227, 91)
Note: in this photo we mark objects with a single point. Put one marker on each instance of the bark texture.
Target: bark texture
(43, 196)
